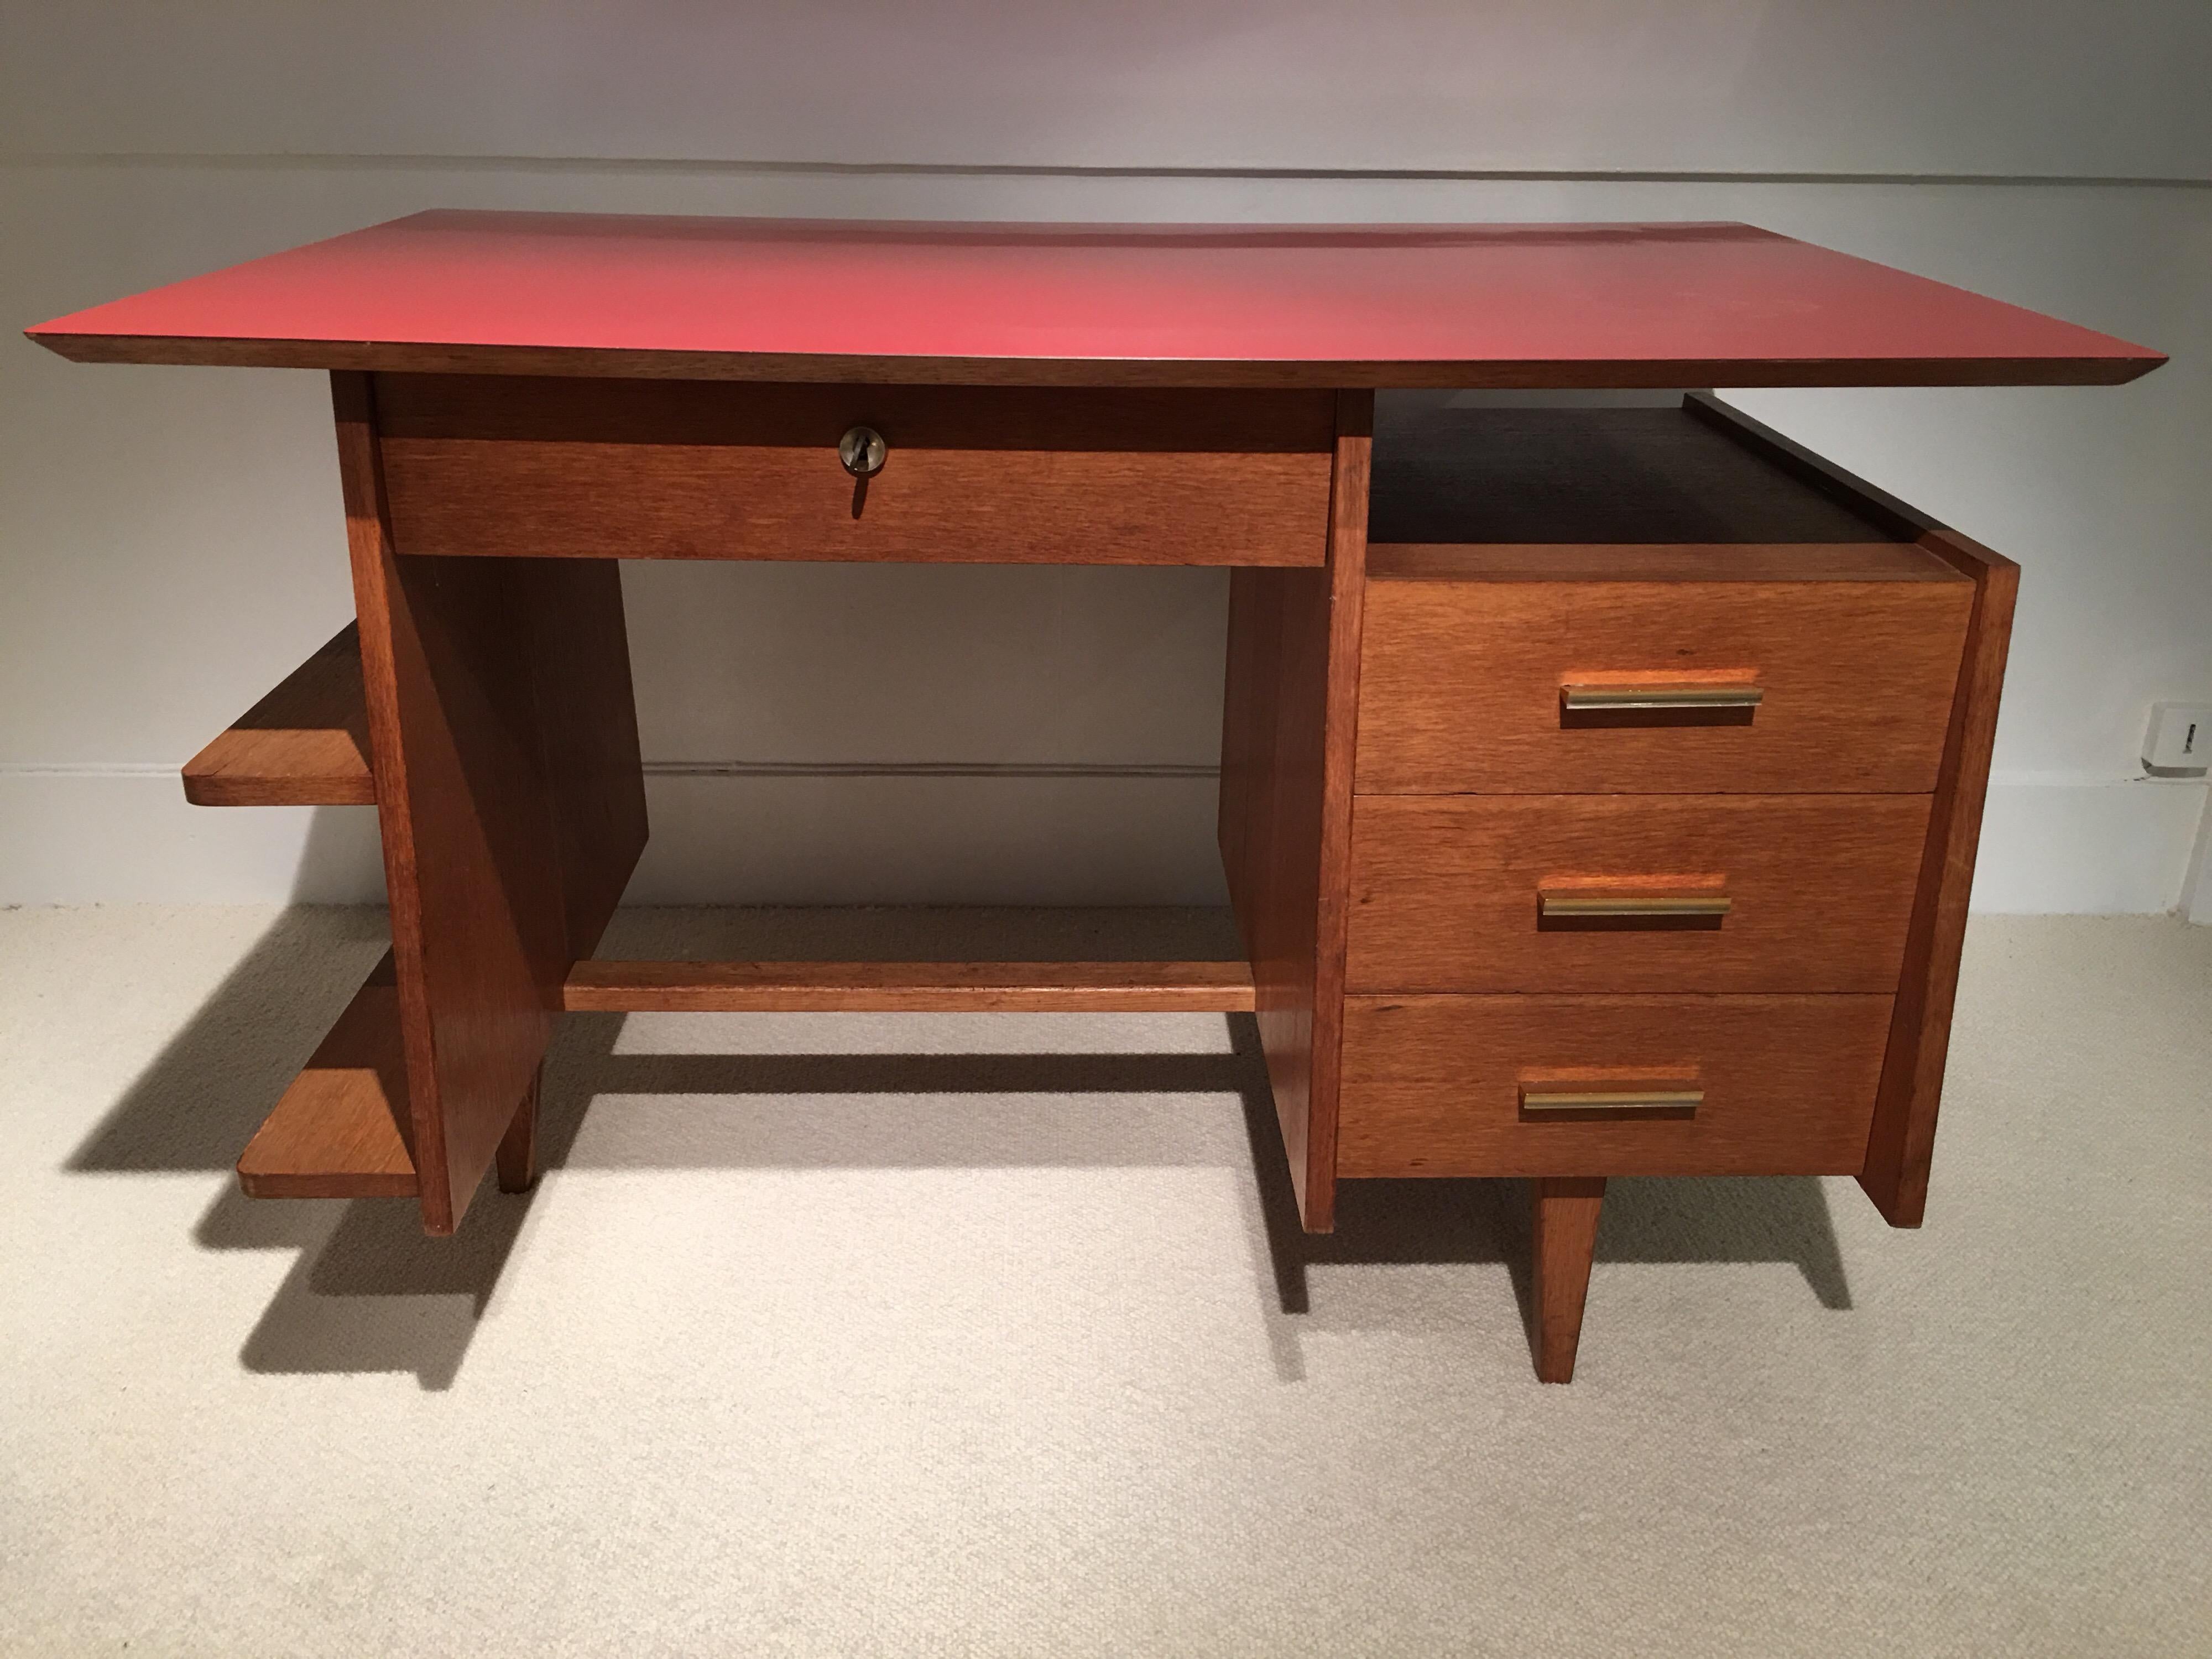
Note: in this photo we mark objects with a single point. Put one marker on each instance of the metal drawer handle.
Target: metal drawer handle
(863, 450)
(1680, 1102)
(1632, 905)
(1620, 699)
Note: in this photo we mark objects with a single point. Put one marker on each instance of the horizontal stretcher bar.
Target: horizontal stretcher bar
(910, 987)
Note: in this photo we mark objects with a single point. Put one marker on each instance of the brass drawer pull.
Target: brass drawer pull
(1657, 699)
(1644, 904)
(1633, 906)
(1679, 1102)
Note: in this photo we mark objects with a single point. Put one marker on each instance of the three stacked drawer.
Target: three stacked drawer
(1639, 821)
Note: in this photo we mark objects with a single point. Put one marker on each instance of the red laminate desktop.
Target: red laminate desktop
(1094, 305)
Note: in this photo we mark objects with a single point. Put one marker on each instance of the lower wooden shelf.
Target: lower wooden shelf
(341, 1130)
(911, 986)
(304, 744)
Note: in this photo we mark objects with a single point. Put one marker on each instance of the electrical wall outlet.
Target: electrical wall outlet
(2179, 743)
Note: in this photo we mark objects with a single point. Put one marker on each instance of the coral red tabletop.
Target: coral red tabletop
(1512, 305)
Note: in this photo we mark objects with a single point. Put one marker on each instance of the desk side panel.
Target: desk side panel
(510, 804)
(1286, 816)
(1902, 1145)
(586, 720)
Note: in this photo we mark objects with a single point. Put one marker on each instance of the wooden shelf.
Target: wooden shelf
(910, 987)
(1553, 478)
(304, 744)
(341, 1130)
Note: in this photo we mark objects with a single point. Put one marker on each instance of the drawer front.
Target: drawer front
(1445, 1085)
(1462, 684)
(694, 470)
(1647, 893)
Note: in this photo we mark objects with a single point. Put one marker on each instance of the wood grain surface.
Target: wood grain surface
(1460, 689)
(341, 1130)
(586, 715)
(1642, 562)
(1902, 1144)
(1563, 1218)
(501, 853)
(1431, 1083)
(1288, 716)
(516, 1160)
(912, 987)
(1444, 891)
(304, 744)
(501, 467)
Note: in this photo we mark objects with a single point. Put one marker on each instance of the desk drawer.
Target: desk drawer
(1464, 682)
(1541, 892)
(722, 470)
(1457, 1085)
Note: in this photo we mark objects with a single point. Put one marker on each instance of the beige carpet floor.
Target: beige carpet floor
(854, 1336)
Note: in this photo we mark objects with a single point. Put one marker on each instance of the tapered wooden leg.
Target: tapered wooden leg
(1566, 1236)
(517, 1158)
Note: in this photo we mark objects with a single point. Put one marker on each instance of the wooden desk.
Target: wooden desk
(1600, 787)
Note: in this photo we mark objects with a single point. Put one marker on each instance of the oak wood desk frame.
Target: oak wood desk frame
(503, 745)
(502, 751)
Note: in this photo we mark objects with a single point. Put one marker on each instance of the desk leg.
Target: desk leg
(516, 1159)
(510, 799)
(1566, 1215)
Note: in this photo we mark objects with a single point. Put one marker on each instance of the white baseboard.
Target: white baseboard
(980, 837)
(86, 836)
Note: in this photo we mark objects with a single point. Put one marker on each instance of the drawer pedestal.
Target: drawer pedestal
(1650, 850)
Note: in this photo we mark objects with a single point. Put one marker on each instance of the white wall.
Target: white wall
(2082, 89)
(170, 542)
